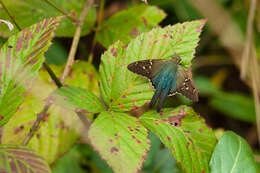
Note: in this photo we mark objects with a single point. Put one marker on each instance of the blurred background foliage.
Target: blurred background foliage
(226, 101)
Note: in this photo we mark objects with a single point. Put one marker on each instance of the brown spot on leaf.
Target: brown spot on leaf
(134, 32)
(38, 135)
(110, 140)
(138, 141)
(169, 138)
(144, 20)
(133, 137)
(130, 128)
(18, 129)
(123, 96)
(156, 122)
(45, 117)
(114, 150)
(173, 149)
(91, 76)
(113, 51)
(1, 117)
(163, 120)
(175, 120)
(188, 144)
(200, 130)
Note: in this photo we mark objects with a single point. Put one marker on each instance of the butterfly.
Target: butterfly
(168, 77)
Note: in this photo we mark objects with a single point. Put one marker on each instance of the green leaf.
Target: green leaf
(70, 162)
(82, 75)
(235, 105)
(77, 99)
(21, 160)
(205, 86)
(123, 90)
(60, 128)
(121, 140)
(57, 54)
(31, 11)
(185, 133)
(232, 155)
(21, 58)
(129, 23)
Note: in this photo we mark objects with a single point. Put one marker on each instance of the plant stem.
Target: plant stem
(58, 82)
(75, 41)
(52, 75)
(36, 124)
(249, 35)
(99, 22)
(61, 10)
(10, 15)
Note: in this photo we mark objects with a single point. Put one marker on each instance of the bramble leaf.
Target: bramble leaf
(127, 24)
(232, 154)
(21, 58)
(60, 127)
(121, 140)
(31, 11)
(186, 134)
(21, 159)
(123, 90)
(77, 99)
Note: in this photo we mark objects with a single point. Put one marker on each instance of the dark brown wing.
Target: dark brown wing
(147, 68)
(186, 85)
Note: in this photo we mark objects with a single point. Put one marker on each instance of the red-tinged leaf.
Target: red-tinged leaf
(186, 134)
(18, 159)
(28, 12)
(121, 140)
(60, 128)
(21, 58)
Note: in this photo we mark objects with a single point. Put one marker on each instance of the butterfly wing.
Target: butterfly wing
(147, 68)
(162, 73)
(186, 85)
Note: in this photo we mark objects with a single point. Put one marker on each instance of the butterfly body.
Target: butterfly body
(168, 78)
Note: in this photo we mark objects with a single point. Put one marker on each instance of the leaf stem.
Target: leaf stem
(10, 15)
(61, 10)
(99, 22)
(75, 41)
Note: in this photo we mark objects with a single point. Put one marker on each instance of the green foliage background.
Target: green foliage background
(123, 135)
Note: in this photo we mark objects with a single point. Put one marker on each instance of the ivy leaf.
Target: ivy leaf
(77, 99)
(123, 90)
(34, 11)
(21, 160)
(121, 140)
(186, 134)
(129, 23)
(21, 58)
(232, 154)
(60, 128)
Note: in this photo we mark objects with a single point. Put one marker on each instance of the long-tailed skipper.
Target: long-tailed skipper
(168, 77)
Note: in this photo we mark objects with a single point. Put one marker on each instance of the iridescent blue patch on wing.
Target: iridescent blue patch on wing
(164, 83)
